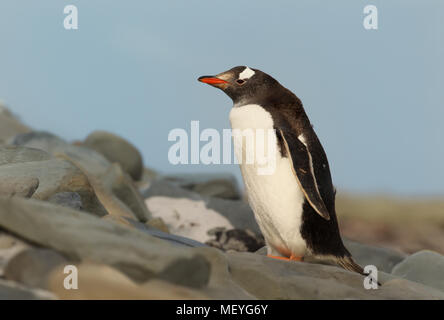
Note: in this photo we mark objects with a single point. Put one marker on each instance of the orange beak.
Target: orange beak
(211, 80)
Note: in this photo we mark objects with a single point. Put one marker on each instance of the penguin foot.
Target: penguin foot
(292, 258)
(296, 258)
(278, 257)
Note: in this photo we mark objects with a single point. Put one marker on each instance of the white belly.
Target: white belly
(276, 199)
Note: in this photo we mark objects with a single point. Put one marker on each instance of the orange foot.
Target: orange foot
(292, 258)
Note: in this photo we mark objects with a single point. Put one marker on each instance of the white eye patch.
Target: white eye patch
(246, 74)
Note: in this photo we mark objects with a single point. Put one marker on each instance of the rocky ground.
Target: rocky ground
(136, 234)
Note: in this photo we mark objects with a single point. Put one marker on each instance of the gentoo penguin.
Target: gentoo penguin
(294, 205)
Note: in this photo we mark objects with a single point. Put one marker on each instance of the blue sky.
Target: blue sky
(375, 97)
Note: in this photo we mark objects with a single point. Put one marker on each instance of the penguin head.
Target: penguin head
(242, 84)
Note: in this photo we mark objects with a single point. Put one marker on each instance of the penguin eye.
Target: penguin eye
(240, 81)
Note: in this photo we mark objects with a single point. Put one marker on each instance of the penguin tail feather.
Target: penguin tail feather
(348, 263)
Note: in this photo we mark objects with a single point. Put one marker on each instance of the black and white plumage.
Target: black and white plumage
(295, 205)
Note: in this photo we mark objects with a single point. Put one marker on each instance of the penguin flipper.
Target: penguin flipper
(302, 167)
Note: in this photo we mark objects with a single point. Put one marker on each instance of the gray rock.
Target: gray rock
(67, 199)
(409, 290)
(93, 161)
(384, 259)
(425, 267)
(148, 176)
(80, 236)
(124, 189)
(54, 176)
(236, 240)
(194, 272)
(33, 266)
(267, 278)
(211, 185)
(12, 291)
(18, 186)
(14, 154)
(164, 198)
(171, 238)
(117, 149)
(10, 246)
(9, 125)
(114, 189)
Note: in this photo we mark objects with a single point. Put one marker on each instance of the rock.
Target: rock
(299, 280)
(384, 259)
(164, 290)
(54, 176)
(55, 146)
(410, 290)
(114, 189)
(13, 291)
(10, 246)
(144, 183)
(221, 284)
(194, 272)
(159, 224)
(32, 267)
(191, 215)
(173, 239)
(18, 186)
(117, 149)
(23, 186)
(124, 189)
(187, 218)
(7, 241)
(14, 154)
(80, 236)
(212, 185)
(98, 282)
(236, 240)
(9, 125)
(425, 267)
(67, 199)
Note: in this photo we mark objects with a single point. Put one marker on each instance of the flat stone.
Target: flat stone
(113, 188)
(10, 246)
(80, 236)
(32, 267)
(15, 154)
(211, 185)
(55, 146)
(300, 280)
(67, 199)
(98, 282)
(54, 176)
(18, 186)
(13, 291)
